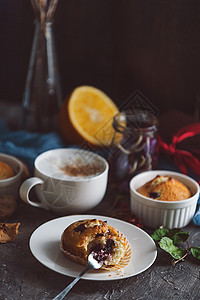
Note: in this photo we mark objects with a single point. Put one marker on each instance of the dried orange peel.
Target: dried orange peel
(8, 232)
(87, 116)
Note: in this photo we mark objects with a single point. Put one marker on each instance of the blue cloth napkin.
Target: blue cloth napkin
(26, 145)
(196, 218)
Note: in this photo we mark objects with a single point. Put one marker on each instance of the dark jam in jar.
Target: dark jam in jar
(133, 148)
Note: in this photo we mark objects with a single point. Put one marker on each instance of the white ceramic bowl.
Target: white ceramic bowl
(155, 213)
(9, 187)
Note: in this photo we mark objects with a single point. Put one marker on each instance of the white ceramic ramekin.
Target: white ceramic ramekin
(155, 213)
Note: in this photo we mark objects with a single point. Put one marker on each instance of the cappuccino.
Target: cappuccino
(75, 165)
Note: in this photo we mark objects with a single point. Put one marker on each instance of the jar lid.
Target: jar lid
(140, 120)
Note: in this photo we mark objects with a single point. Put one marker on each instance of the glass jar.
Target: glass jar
(133, 148)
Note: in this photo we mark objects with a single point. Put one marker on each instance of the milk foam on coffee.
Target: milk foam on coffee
(78, 165)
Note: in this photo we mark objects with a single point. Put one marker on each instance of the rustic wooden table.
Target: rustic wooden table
(23, 277)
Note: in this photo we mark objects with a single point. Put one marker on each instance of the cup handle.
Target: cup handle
(25, 188)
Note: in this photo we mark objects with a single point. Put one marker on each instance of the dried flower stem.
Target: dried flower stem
(52, 9)
(44, 10)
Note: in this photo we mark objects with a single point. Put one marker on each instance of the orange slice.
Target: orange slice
(87, 115)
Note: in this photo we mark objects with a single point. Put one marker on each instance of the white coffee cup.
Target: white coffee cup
(60, 188)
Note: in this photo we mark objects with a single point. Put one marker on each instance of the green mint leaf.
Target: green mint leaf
(159, 233)
(178, 236)
(167, 245)
(195, 252)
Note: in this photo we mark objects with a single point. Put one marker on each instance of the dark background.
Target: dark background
(118, 46)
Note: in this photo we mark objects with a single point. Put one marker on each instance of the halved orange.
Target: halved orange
(87, 115)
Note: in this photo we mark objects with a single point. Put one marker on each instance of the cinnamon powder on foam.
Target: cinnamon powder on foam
(78, 169)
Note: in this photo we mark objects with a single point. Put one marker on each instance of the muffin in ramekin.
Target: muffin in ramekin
(155, 213)
(10, 179)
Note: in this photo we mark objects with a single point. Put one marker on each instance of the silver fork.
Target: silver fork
(92, 264)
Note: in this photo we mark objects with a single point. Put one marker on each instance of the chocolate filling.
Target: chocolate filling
(102, 252)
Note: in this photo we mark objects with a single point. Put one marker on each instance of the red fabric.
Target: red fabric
(183, 159)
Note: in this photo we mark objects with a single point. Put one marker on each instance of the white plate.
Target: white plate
(45, 246)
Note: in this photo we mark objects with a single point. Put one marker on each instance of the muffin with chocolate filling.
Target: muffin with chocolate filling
(165, 188)
(91, 235)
